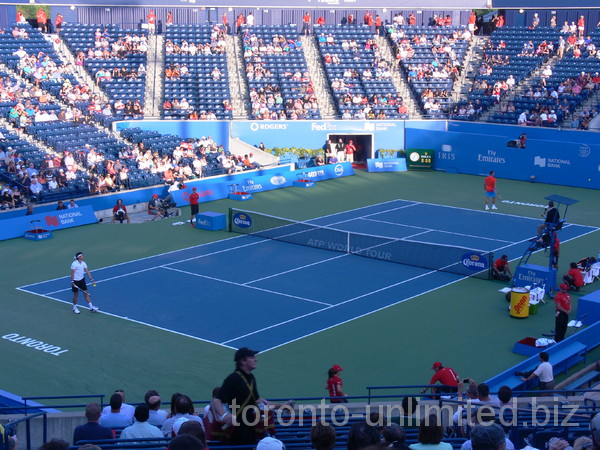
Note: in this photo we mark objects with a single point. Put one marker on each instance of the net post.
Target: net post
(490, 265)
(229, 219)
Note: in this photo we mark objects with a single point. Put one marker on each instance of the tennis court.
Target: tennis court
(264, 293)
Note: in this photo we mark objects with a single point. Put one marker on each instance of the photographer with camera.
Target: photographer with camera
(155, 207)
(544, 372)
(120, 212)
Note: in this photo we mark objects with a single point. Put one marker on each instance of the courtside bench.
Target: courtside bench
(582, 381)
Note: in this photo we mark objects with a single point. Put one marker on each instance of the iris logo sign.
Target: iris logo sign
(242, 220)
(474, 261)
(339, 170)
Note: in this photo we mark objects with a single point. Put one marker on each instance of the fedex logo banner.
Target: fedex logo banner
(53, 220)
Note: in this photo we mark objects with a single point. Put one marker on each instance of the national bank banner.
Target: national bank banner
(258, 181)
(387, 165)
(569, 158)
(54, 220)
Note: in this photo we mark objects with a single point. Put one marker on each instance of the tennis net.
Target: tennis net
(444, 258)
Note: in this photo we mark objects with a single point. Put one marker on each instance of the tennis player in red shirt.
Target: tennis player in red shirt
(489, 185)
(447, 377)
(573, 278)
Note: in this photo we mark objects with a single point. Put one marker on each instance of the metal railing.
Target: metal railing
(10, 429)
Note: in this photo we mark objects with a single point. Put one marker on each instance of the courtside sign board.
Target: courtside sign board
(419, 159)
(53, 220)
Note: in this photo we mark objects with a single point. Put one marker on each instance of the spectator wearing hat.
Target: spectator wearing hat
(154, 207)
(237, 400)
(141, 429)
(544, 372)
(270, 443)
(334, 385)
(562, 303)
(447, 377)
(194, 208)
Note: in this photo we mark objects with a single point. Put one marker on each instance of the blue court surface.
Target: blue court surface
(247, 291)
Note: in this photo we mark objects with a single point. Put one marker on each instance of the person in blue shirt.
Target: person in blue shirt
(92, 430)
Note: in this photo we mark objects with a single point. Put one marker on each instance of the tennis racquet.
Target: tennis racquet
(84, 292)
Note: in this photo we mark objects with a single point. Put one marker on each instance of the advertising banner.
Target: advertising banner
(259, 181)
(386, 165)
(53, 220)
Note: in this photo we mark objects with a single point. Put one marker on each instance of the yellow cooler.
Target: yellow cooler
(519, 302)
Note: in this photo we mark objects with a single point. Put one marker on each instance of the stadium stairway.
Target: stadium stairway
(154, 76)
(238, 86)
(473, 60)
(80, 73)
(317, 72)
(410, 100)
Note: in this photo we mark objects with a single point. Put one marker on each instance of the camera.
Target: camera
(524, 374)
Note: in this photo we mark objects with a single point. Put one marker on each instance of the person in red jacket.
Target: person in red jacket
(573, 278)
(562, 303)
(194, 207)
(447, 377)
(334, 385)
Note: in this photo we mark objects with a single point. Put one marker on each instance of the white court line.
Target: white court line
(438, 231)
(246, 286)
(142, 259)
(410, 203)
(332, 306)
(362, 315)
(168, 330)
(361, 217)
(293, 270)
(376, 310)
(414, 235)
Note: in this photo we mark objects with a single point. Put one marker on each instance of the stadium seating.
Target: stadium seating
(431, 58)
(206, 85)
(121, 75)
(278, 78)
(359, 77)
